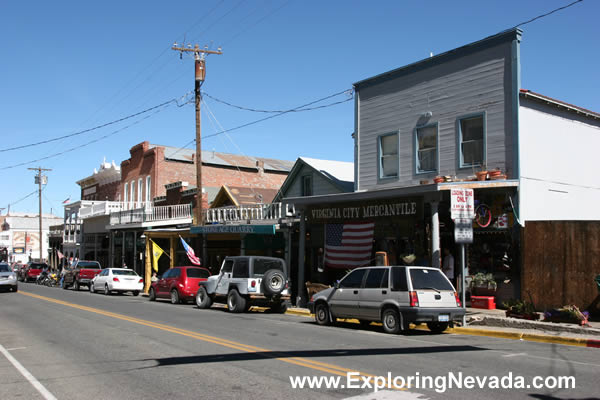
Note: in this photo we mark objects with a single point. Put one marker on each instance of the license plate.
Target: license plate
(443, 318)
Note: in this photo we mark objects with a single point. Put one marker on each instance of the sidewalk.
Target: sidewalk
(494, 323)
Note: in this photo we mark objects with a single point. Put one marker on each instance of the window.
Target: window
(140, 188)
(125, 189)
(240, 269)
(427, 152)
(428, 278)
(388, 156)
(354, 280)
(471, 140)
(175, 273)
(260, 266)
(307, 185)
(228, 266)
(132, 194)
(375, 278)
(167, 274)
(197, 273)
(148, 190)
(399, 279)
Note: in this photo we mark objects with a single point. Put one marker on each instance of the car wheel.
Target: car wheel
(279, 307)
(75, 285)
(174, 296)
(135, 293)
(203, 300)
(437, 327)
(92, 287)
(106, 290)
(391, 320)
(273, 282)
(152, 295)
(15, 288)
(322, 314)
(235, 302)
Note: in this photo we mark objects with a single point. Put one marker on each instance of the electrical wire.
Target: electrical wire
(92, 129)
(84, 144)
(285, 112)
(548, 13)
(21, 199)
(231, 38)
(273, 111)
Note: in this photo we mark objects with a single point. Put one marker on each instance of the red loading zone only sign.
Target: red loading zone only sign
(462, 204)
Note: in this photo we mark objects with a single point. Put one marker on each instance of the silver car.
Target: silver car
(8, 278)
(396, 296)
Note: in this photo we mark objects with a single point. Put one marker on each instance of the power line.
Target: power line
(82, 145)
(272, 111)
(254, 24)
(22, 198)
(284, 112)
(90, 129)
(548, 13)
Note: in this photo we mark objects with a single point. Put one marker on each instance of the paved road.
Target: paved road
(79, 345)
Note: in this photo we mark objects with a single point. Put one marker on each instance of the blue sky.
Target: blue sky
(72, 65)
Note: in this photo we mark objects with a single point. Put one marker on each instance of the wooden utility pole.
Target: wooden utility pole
(40, 179)
(200, 74)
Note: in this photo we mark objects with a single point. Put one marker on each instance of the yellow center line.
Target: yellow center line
(304, 362)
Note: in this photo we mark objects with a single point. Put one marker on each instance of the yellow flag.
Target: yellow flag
(156, 253)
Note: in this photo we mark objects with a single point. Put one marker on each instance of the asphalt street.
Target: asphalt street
(79, 345)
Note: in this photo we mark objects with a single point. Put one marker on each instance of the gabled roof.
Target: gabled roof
(339, 173)
(241, 196)
(528, 94)
(226, 159)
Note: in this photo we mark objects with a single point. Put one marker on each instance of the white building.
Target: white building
(20, 235)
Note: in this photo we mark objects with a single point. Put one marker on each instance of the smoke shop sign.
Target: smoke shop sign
(400, 209)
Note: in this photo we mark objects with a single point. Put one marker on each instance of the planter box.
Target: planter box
(483, 291)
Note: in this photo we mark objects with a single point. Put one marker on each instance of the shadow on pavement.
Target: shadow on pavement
(261, 355)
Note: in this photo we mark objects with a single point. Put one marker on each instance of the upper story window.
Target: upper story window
(125, 192)
(148, 190)
(471, 138)
(132, 194)
(307, 185)
(426, 142)
(140, 188)
(388, 156)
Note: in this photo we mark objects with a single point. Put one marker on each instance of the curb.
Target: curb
(530, 337)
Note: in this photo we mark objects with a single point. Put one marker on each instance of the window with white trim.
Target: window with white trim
(471, 139)
(140, 188)
(148, 190)
(427, 149)
(388, 156)
(132, 194)
(125, 192)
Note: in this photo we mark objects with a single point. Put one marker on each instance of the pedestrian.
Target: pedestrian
(154, 277)
(448, 265)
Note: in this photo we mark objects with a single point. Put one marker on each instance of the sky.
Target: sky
(70, 66)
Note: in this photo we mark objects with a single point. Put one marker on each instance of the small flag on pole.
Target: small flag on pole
(60, 255)
(190, 252)
(67, 200)
(156, 253)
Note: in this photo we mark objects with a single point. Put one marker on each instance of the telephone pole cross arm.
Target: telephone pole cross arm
(200, 68)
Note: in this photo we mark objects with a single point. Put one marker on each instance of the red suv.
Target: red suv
(180, 284)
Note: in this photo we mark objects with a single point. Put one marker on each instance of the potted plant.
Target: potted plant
(520, 309)
(483, 285)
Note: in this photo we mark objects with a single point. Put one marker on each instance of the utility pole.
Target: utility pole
(40, 179)
(200, 74)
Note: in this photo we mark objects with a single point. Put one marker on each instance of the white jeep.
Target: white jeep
(246, 281)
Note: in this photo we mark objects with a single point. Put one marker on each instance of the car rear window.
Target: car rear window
(124, 272)
(262, 265)
(423, 278)
(197, 273)
(88, 264)
(4, 268)
(38, 266)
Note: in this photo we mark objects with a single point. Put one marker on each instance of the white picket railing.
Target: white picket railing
(249, 213)
(152, 214)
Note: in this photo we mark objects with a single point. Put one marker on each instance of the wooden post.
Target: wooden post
(172, 245)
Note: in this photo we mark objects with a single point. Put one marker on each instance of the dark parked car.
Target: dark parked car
(180, 284)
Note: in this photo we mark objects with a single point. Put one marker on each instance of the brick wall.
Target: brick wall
(110, 192)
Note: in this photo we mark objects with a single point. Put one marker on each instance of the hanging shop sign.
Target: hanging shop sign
(462, 204)
(255, 229)
(400, 208)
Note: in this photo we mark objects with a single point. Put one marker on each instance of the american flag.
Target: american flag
(348, 245)
(190, 252)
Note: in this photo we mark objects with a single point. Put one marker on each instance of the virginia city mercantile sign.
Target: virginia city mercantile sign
(372, 210)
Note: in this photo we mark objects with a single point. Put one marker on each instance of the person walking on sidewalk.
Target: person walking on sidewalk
(448, 265)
